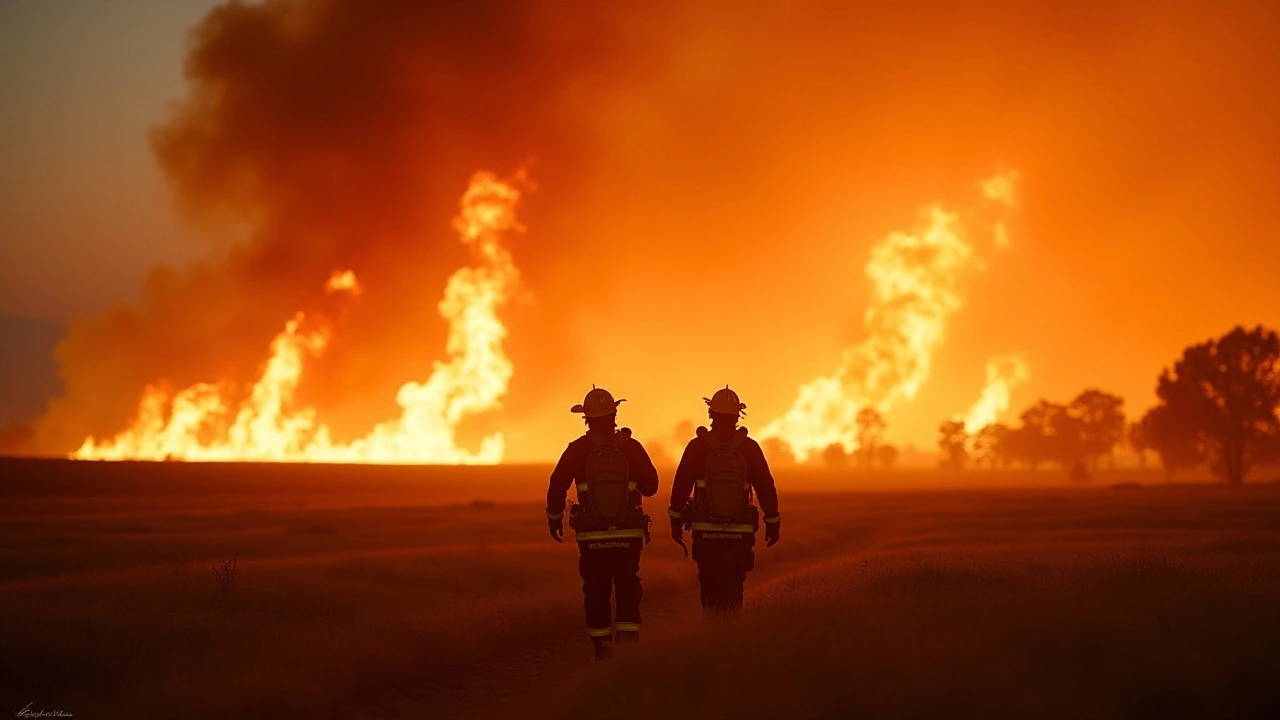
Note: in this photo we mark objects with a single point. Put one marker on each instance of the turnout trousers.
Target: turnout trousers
(724, 559)
(610, 568)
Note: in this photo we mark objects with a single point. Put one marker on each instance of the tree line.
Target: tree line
(1219, 407)
(1077, 435)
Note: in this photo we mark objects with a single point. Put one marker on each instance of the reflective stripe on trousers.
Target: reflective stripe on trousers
(628, 627)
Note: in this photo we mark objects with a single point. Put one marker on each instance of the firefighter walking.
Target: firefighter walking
(611, 472)
(723, 468)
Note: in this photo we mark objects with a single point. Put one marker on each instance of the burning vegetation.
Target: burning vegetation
(917, 282)
(201, 422)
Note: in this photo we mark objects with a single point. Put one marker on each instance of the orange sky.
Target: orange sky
(710, 179)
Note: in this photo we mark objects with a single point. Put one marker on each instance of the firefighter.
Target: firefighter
(610, 471)
(723, 468)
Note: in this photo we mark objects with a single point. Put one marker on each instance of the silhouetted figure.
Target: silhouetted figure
(611, 471)
(723, 468)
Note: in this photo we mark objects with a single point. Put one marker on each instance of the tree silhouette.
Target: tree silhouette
(835, 456)
(1102, 422)
(954, 444)
(1138, 440)
(1056, 434)
(1171, 436)
(1025, 445)
(777, 451)
(887, 456)
(1226, 392)
(1069, 435)
(871, 427)
(1268, 452)
(989, 445)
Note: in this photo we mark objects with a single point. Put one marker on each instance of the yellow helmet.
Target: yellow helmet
(725, 401)
(597, 403)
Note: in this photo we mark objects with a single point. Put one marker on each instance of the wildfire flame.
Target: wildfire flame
(195, 423)
(1004, 373)
(475, 378)
(916, 286)
(342, 281)
(1002, 190)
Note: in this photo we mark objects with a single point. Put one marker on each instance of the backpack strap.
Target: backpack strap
(732, 443)
(618, 439)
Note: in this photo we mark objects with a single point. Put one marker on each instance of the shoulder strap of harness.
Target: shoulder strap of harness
(733, 442)
(618, 439)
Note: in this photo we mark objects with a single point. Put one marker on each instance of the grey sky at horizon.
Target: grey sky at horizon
(74, 158)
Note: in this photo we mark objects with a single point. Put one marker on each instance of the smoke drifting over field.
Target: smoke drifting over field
(324, 135)
(693, 162)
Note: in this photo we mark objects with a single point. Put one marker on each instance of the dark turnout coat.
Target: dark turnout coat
(572, 469)
(605, 564)
(693, 464)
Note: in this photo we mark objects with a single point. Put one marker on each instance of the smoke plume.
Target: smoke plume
(334, 134)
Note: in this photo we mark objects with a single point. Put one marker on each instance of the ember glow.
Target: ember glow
(917, 281)
(197, 423)
(1001, 190)
(342, 281)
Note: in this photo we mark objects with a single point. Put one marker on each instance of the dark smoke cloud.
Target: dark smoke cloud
(692, 157)
(339, 134)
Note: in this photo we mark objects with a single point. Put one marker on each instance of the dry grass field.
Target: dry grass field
(436, 593)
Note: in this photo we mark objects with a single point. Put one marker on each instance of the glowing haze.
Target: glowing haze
(196, 423)
(802, 199)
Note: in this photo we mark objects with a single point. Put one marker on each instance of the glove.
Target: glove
(772, 533)
(556, 527)
(677, 534)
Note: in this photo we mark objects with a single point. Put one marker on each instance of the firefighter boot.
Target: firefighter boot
(628, 636)
(604, 649)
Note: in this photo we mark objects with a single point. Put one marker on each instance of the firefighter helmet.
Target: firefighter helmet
(597, 403)
(725, 401)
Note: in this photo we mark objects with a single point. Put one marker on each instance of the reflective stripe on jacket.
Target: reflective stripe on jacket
(572, 470)
(716, 527)
(609, 534)
(693, 464)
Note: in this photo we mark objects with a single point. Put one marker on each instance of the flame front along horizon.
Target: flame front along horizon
(918, 280)
(200, 423)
